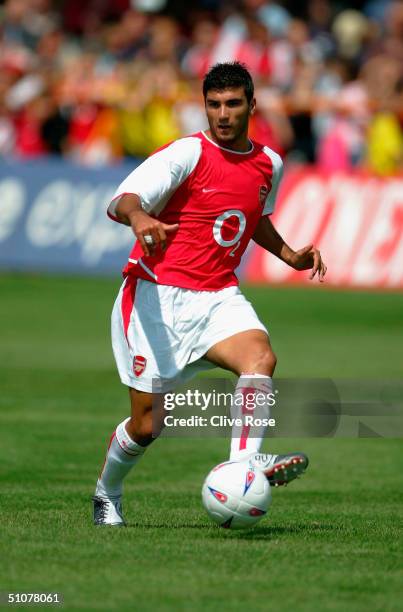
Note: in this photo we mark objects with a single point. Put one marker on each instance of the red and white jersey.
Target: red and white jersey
(217, 197)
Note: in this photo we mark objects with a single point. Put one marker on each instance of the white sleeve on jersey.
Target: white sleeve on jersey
(277, 175)
(158, 177)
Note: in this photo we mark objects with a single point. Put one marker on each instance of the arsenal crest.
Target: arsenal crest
(263, 191)
(139, 365)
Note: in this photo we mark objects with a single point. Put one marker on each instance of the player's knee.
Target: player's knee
(263, 361)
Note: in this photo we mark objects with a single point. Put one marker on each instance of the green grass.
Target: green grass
(331, 541)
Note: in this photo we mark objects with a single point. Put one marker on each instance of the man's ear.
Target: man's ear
(252, 106)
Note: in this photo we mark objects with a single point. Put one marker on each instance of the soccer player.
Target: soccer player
(193, 206)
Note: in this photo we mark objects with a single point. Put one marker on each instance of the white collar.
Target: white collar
(229, 150)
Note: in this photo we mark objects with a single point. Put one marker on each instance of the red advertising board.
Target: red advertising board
(356, 220)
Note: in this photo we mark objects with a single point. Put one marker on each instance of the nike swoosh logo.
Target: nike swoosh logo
(208, 190)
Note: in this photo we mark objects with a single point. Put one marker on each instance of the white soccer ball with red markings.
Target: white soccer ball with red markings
(236, 495)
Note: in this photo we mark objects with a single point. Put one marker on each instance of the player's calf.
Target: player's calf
(147, 420)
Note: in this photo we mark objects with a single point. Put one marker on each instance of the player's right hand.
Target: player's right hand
(144, 225)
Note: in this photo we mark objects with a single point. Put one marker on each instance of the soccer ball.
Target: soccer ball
(236, 495)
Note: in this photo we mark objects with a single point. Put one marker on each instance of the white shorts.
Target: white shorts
(160, 333)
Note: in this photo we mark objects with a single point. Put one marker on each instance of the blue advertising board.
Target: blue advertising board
(53, 217)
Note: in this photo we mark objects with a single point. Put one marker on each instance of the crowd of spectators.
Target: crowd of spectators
(99, 80)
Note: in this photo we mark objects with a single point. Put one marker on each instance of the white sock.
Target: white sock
(247, 438)
(123, 453)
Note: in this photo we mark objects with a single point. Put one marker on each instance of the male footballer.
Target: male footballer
(193, 206)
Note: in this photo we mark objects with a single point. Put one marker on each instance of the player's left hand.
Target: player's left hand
(309, 258)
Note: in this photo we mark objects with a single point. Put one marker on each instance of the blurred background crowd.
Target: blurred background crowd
(99, 80)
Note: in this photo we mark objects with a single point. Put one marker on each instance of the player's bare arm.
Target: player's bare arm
(307, 258)
(150, 232)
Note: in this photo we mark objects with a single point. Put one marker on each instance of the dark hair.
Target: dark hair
(227, 76)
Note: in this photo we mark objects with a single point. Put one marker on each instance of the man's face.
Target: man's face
(228, 113)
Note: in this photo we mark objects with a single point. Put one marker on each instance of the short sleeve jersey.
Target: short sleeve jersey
(216, 195)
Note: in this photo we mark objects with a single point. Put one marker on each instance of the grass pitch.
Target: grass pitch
(331, 540)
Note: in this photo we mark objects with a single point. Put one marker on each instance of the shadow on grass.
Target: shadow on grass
(268, 532)
(167, 525)
(262, 532)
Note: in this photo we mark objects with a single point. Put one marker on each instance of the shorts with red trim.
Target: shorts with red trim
(161, 333)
